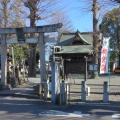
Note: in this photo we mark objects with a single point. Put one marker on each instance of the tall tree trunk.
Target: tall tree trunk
(32, 60)
(32, 47)
(95, 33)
(118, 39)
(5, 11)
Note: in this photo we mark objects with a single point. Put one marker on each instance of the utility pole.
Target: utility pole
(118, 42)
(95, 34)
(32, 5)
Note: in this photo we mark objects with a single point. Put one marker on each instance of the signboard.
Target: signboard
(104, 56)
(93, 67)
(75, 67)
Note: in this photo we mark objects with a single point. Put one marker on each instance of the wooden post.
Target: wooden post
(85, 68)
(62, 68)
(95, 34)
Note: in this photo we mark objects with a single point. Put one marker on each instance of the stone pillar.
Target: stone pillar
(42, 58)
(3, 61)
(106, 92)
(83, 95)
(55, 82)
(63, 93)
(87, 90)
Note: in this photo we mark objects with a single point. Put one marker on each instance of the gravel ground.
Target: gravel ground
(96, 89)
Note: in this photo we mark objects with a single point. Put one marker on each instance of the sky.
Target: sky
(80, 20)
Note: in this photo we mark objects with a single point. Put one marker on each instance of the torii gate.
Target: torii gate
(40, 39)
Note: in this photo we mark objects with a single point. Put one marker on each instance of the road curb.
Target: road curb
(99, 104)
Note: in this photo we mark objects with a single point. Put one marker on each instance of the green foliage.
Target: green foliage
(114, 54)
(110, 27)
(20, 52)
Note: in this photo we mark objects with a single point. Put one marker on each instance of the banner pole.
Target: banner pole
(109, 63)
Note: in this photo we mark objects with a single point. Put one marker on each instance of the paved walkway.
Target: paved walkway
(25, 90)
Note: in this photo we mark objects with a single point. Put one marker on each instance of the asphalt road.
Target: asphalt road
(31, 109)
(14, 108)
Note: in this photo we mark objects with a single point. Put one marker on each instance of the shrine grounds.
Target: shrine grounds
(96, 89)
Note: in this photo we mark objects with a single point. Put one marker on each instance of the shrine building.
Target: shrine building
(75, 53)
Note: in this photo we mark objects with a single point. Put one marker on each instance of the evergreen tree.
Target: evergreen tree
(110, 27)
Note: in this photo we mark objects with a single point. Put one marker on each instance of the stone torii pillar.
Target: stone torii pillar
(37, 29)
(42, 57)
(3, 60)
